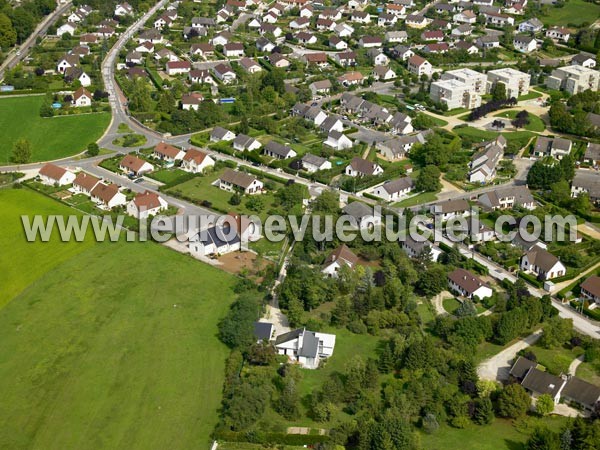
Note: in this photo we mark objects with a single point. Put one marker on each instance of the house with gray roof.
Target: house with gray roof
(363, 216)
(279, 151)
(307, 348)
(394, 190)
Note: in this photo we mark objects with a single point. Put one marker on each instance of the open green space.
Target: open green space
(424, 197)
(451, 304)
(529, 96)
(535, 123)
(200, 189)
(436, 120)
(500, 435)
(573, 12)
(130, 140)
(106, 345)
(50, 138)
(24, 262)
(556, 360)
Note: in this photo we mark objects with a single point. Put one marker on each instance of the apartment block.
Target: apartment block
(476, 81)
(516, 82)
(455, 94)
(573, 79)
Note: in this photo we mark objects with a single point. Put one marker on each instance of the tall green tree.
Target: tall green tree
(8, 35)
(21, 153)
(513, 401)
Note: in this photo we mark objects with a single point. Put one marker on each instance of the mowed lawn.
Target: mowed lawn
(114, 347)
(22, 262)
(51, 138)
(573, 12)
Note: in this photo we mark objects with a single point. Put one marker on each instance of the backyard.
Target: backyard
(50, 138)
(573, 12)
(98, 354)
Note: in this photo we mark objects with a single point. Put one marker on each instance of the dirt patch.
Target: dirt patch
(236, 262)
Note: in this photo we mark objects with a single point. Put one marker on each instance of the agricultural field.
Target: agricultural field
(106, 345)
(50, 138)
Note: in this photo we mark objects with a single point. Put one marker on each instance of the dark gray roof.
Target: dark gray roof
(521, 367)
(278, 149)
(582, 392)
(218, 236)
(542, 382)
(219, 132)
(289, 336)
(358, 210)
(263, 330)
(309, 158)
(398, 185)
(310, 345)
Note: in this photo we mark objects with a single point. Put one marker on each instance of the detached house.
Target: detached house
(419, 66)
(468, 285)
(340, 257)
(178, 67)
(279, 151)
(370, 42)
(168, 153)
(307, 348)
(82, 98)
(313, 163)
(558, 33)
(359, 167)
(416, 248)
(224, 73)
(244, 143)
(590, 289)
(542, 263)
(451, 208)
(108, 196)
(509, 197)
(233, 180)
(195, 161)
(363, 216)
(146, 204)
(338, 140)
(219, 134)
(135, 166)
(84, 183)
(53, 175)
(557, 147)
(392, 191)
(524, 43)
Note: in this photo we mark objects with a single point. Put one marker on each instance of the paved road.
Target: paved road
(497, 367)
(17, 56)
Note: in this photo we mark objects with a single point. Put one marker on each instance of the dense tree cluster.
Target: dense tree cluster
(490, 107)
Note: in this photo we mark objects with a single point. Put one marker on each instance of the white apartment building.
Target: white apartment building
(475, 80)
(516, 82)
(574, 79)
(455, 94)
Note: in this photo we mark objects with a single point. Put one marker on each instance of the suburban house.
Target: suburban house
(542, 263)
(555, 147)
(53, 175)
(108, 196)
(592, 154)
(82, 97)
(233, 180)
(225, 73)
(219, 134)
(468, 285)
(307, 348)
(178, 67)
(524, 43)
(558, 34)
(249, 65)
(320, 88)
(419, 66)
(484, 162)
(195, 161)
(365, 217)
(392, 191)
(415, 248)
(84, 183)
(279, 151)
(359, 167)
(135, 166)
(588, 182)
(168, 153)
(216, 240)
(263, 331)
(508, 197)
(532, 25)
(244, 143)
(590, 289)
(146, 204)
(569, 388)
(338, 140)
(584, 59)
(313, 163)
(396, 148)
(191, 101)
(451, 208)
(340, 257)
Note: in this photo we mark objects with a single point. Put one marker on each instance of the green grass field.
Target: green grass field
(111, 346)
(500, 435)
(424, 197)
(535, 123)
(573, 12)
(51, 138)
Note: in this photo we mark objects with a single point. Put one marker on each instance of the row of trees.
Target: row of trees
(17, 23)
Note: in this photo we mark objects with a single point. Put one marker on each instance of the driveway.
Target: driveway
(497, 367)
